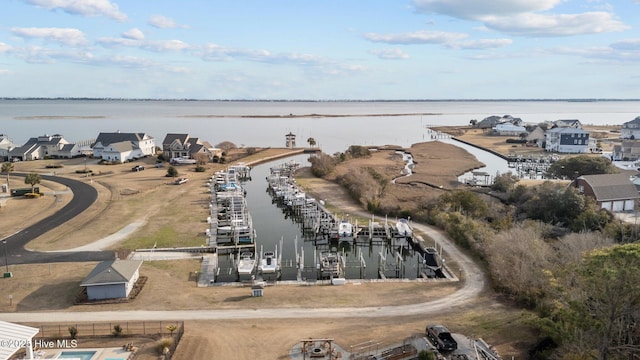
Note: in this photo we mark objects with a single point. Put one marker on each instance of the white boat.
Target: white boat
(330, 265)
(268, 263)
(345, 229)
(403, 227)
(246, 264)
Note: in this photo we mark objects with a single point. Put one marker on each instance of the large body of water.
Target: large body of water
(264, 124)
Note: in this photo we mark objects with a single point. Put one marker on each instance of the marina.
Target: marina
(298, 238)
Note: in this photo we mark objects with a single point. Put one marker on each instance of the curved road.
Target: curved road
(474, 284)
(83, 196)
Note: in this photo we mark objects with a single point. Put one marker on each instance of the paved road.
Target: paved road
(83, 196)
(475, 282)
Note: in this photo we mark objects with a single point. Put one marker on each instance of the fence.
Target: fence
(107, 328)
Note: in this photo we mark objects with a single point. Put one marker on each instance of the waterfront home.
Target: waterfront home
(44, 147)
(536, 136)
(492, 121)
(628, 150)
(573, 123)
(631, 129)
(112, 279)
(140, 145)
(185, 146)
(567, 140)
(508, 129)
(5, 146)
(613, 192)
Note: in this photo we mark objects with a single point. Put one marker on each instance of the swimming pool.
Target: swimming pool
(80, 355)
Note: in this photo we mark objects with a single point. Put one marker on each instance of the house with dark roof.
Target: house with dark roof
(613, 192)
(112, 279)
(492, 121)
(45, 147)
(567, 123)
(567, 140)
(185, 146)
(140, 145)
(631, 129)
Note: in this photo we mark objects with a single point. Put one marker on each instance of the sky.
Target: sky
(320, 50)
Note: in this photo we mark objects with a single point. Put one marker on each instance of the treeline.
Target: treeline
(547, 247)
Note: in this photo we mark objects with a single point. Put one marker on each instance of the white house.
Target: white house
(631, 129)
(5, 146)
(14, 337)
(508, 129)
(112, 279)
(567, 140)
(141, 145)
(43, 147)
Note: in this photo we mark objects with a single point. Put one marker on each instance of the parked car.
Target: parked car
(137, 168)
(441, 337)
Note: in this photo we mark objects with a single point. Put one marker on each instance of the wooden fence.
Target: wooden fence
(85, 329)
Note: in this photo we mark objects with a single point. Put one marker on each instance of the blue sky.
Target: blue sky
(320, 50)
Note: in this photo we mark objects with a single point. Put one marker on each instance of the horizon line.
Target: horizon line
(313, 100)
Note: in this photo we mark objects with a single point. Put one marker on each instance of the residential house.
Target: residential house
(631, 129)
(112, 279)
(628, 150)
(508, 129)
(492, 121)
(567, 140)
(141, 145)
(184, 146)
(5, 146)
(44, 147)
(536, 136)
(614, 192)
(290, 140)
(573, 123)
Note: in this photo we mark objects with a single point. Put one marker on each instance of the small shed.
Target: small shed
(290, 140)
(112, 279)
(16, 337)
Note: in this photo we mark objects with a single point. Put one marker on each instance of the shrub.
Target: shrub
(162, 344)
(200, 168)
(117, 330)
(73, 331)
(54, 166)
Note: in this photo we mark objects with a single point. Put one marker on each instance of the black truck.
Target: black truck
(441, 337)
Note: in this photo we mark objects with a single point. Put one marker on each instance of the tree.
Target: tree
(311, 141)
(572, 167)
(600, 309)
(473, 122)
(172, 328)
(172, 171)
(32, 179)
(73, 332)
(226, 146)
(7, 168)
(504, 182)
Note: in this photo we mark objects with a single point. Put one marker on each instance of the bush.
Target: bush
(117, 330)
(200, 168)
(54, 166)
(73, 332)
(162, 344)
(84, 171)
(516, 141)
(33, 195)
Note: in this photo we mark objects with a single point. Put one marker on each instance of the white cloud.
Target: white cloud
(476, 9)
(418, 37)
(165, 45)
(163, 22)
(133, 34)
(480, 44)
(556, 25)
(390, 54)
(44, 55)
(67, 36)
(83, 7)
(4, 72)
(4, 47)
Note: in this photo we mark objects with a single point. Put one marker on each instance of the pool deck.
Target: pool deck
(101, 353)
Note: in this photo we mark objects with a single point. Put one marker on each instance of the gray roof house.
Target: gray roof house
(491, 121)
(141, 145)
(614, 192)
(112, 279)
(631, 129)
(45, 146)
(184, 146)
(564, 123)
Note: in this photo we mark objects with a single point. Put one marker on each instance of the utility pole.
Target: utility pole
(7, 274)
